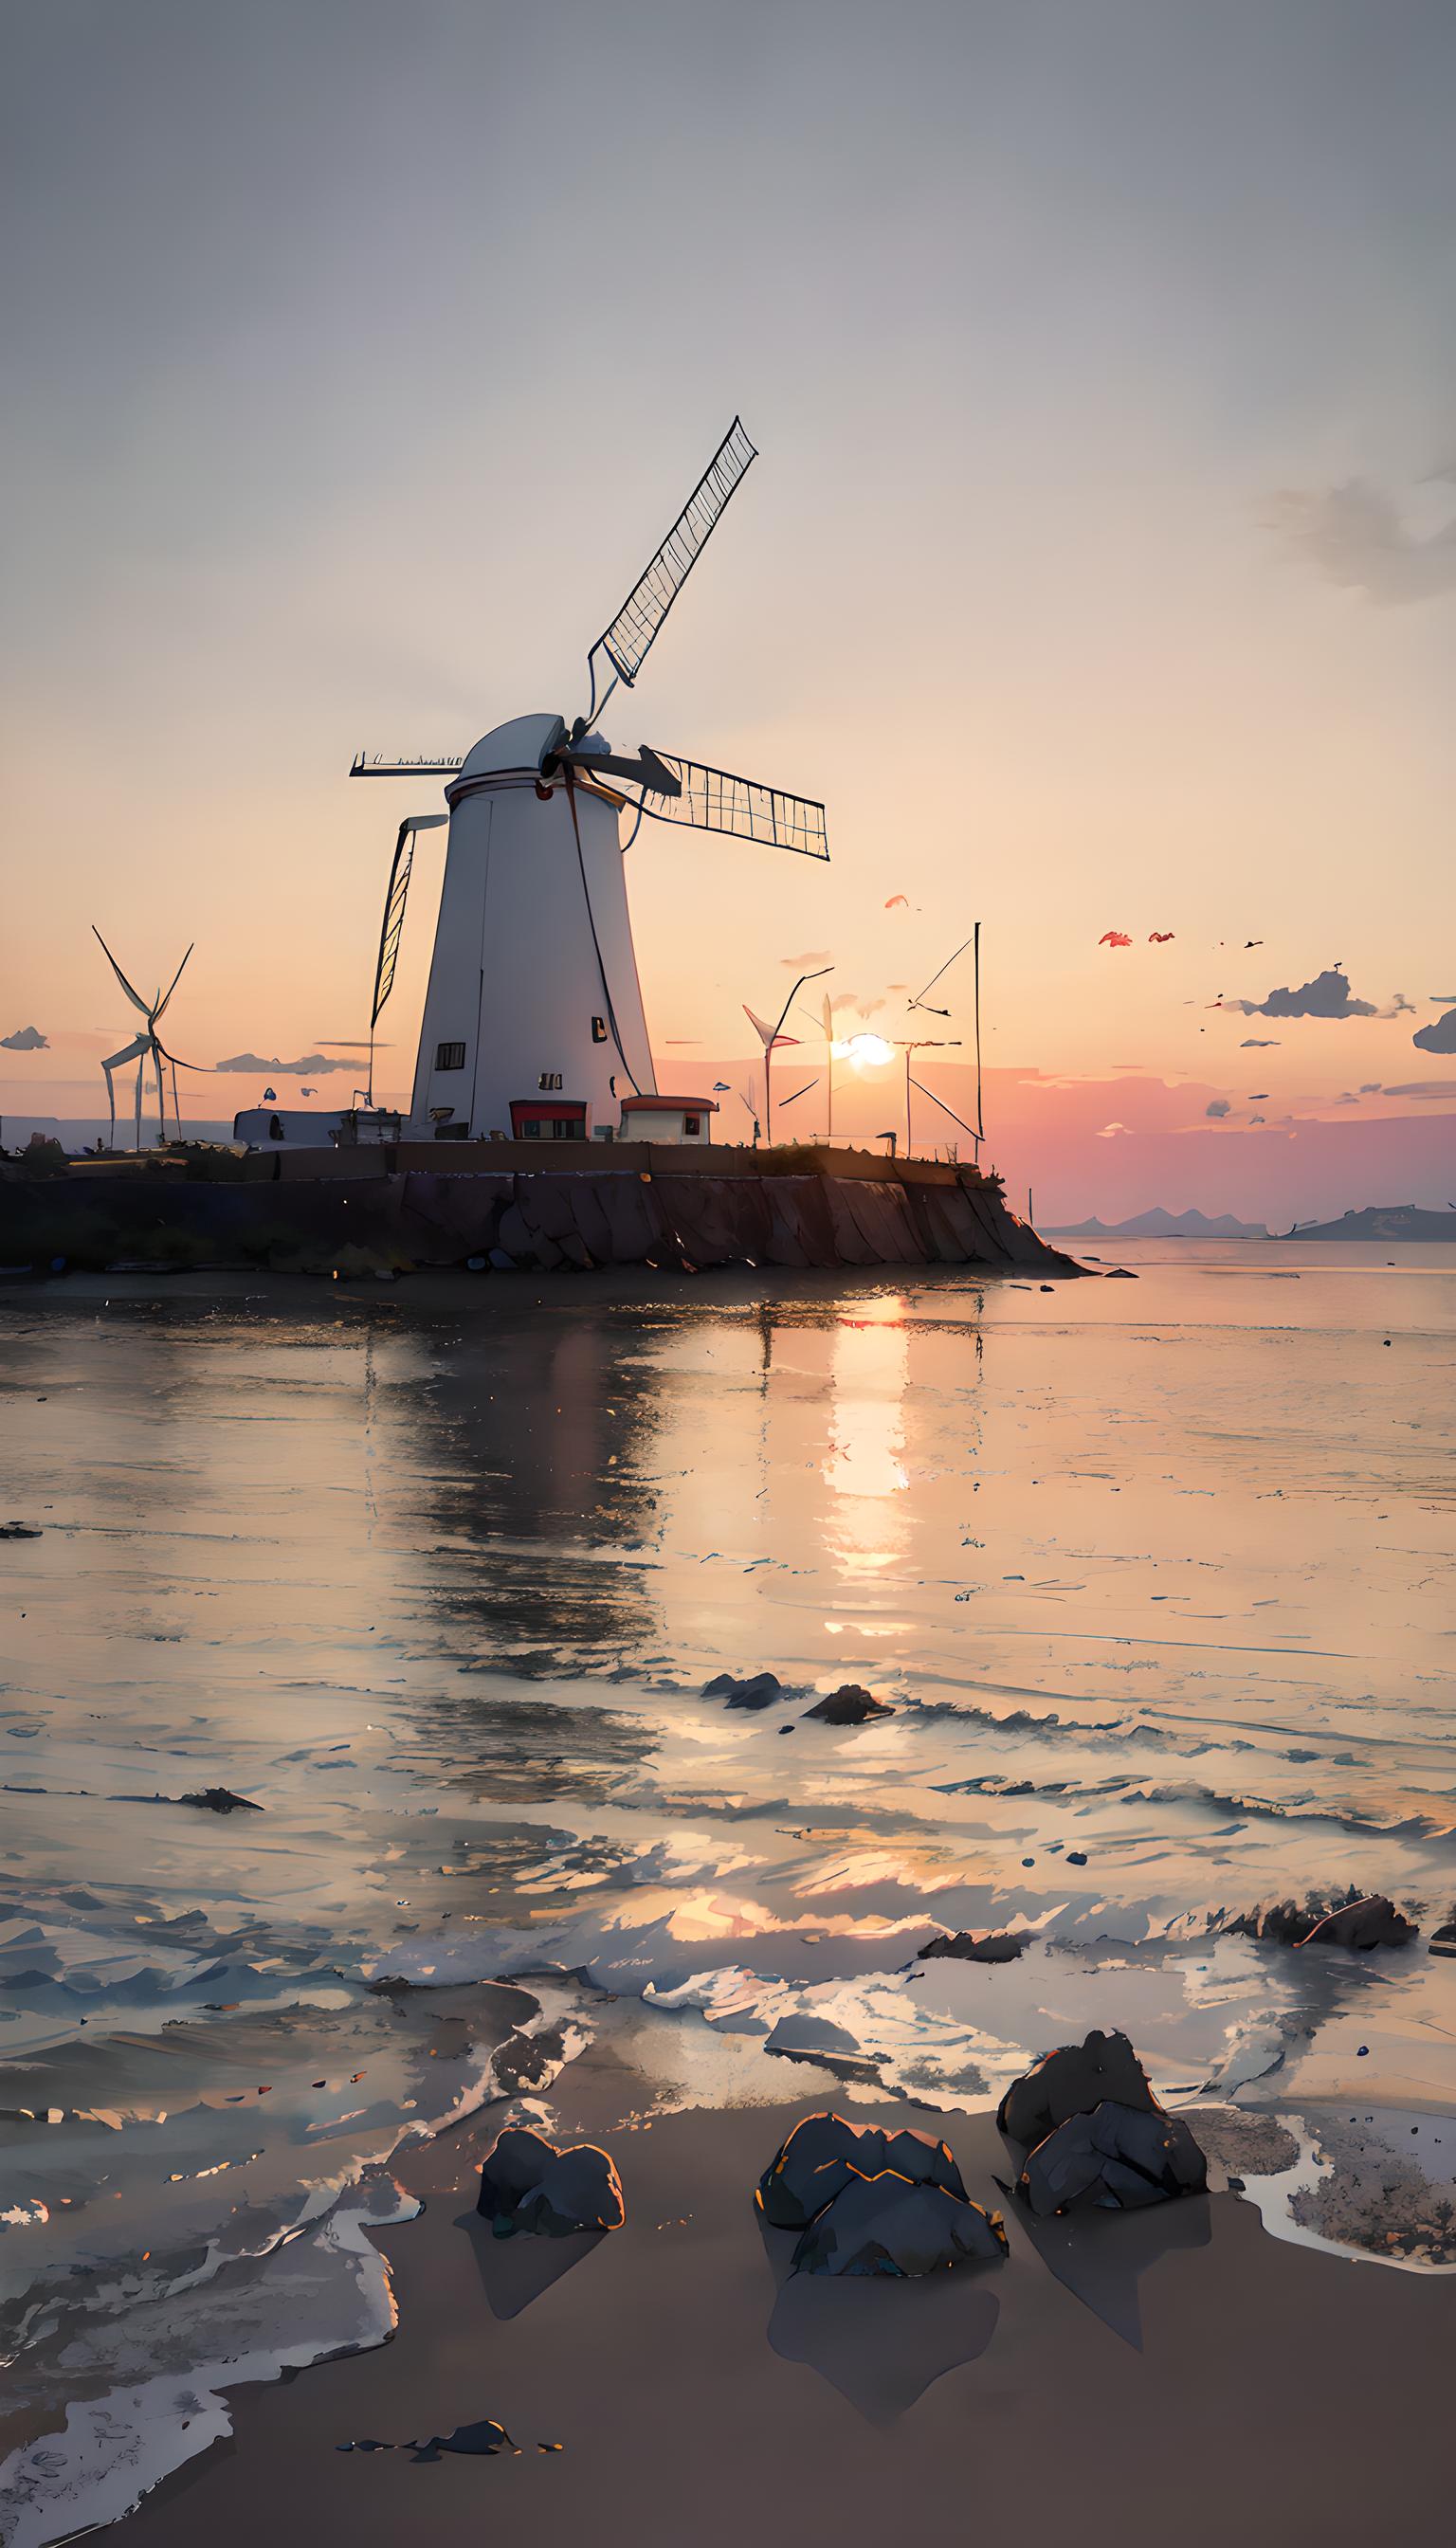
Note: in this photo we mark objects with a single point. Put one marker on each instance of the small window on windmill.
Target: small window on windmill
(599, 1029)
(549, 1079)
(691, 1126)
(449, 1057)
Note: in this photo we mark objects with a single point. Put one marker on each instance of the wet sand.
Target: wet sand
(1177, 2373)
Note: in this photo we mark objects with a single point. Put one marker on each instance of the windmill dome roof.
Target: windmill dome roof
(516, 745)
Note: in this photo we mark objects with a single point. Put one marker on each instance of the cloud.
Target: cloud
(1370, 1087)
(1438, 1036)
(1398, 1007)
(308, 1066)
(26, 1039)
(813, 955)
(1326, 996)
(1110, 1132)
(1218, 1107)
(1424, 1088)
(1442, 999)
(1259, 1044)
(1353, 536)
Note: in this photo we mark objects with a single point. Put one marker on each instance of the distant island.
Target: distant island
(1389, 1221)
(1162, 1223)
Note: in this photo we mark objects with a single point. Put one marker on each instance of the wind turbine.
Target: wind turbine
(533, 980)
(147, 1044)
(978, 1129)
(769, 1037)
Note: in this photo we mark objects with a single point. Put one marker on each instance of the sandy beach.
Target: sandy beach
(1176, 2373)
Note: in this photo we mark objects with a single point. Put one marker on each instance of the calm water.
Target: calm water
(1156, 1572)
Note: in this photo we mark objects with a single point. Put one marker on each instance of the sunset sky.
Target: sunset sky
(1099, 570)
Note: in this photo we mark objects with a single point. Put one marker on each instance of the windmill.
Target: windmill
(144, 1046)
(533, 992)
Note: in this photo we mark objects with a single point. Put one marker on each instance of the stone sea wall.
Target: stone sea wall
(532, 1221)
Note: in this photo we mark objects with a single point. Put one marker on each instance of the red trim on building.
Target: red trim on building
(669, 1104)
(546, 1110)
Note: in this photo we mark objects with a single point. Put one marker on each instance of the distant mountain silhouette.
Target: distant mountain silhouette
(1162, 1223)
(1383, 1221)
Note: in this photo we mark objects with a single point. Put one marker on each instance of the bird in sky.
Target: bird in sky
(1114, 938)
(902, 900)
(1159, 937)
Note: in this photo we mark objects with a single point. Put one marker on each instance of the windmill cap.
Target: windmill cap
(520, 743)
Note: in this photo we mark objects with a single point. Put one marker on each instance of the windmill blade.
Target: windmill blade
(920, 1001)
(647, 771)
(395, 899)
(128, 1052)
(768, 1035)
(714, 801)
(625, 641)
(176, 979)
(135, 997)
(421, 765)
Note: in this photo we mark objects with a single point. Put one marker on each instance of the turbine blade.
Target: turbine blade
(919, 1000)
(176, 979)
(135, 997)
(627, 638)
(768, 1035)
(713, 801)
(128, 1052)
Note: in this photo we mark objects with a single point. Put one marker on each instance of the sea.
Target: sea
(1152, 1580)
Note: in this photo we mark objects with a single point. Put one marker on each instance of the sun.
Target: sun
(864, 1052)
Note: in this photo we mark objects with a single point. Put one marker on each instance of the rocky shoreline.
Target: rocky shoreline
(536, 1221)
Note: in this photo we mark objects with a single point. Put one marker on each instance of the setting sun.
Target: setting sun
(864, 1052)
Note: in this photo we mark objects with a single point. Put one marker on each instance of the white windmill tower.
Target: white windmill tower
(144, 1046)
(533, 1021)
